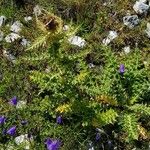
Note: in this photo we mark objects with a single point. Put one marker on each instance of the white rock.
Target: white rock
(76, 40)
(20, 139)
(37, 10)
(9, 56)
(145, 62)
(12, 37)
(126, 49)
(91, 65)
(48, 69)
(148, 30)
(2, 20)
(25, 42)
(111, 36)
(140, 7)
(131, 21)
(16, 27)
(104, 4)
(106, 41)
(24, 140)
(28, 18)
(143, 1)
(65, 27)
(1, 35)
(21, 104)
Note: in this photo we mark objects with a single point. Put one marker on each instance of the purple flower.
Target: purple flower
(59, 120)
(2, 119)
(11, 131)
(24, 122)
(98, 136)
(122, 69)
(52, 144)
(13, 101)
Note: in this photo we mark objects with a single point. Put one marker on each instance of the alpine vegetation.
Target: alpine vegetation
(74, 75)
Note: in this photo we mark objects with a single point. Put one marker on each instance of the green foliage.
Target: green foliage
(55, 78)
(108, 117)
(130, 126)
(141, 109)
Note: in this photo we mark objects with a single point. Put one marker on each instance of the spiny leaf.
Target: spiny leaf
(107, 117)
(40, 42)
(141, 109)
(130, 126)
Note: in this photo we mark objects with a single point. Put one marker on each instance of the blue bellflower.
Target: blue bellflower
(13, 101)
(59, 120)
(98, 136)
(11, 131)
(52, 144)
(2, 119)
(122, 69)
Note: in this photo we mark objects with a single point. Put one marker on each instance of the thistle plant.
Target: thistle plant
(72, 90)
(113, 95)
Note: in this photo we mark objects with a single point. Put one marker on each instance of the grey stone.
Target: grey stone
(16, 27)
(131, 21)
(12, 37)
(111, 36)
(28, 18)
(76, 40)
(9, 56)
(25, 42)
(140, 7)
(37, 10)
(143, 1)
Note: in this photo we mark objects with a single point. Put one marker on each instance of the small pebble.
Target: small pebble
(65, 27)
(111, 36)
(23, 140)
(37, 10)
(21, 104)
(126, 49)
(2, 20)
(9, 56)
(12, 37)
(16, 27)
(28, 18)
(25, 42)
(76, 40)
(91, 65)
